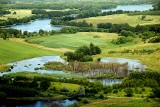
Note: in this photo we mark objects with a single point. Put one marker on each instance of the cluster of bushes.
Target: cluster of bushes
(134, 51)
(122, 40)
(154, 39)
(83, 53)
(4, 12)
(58, 21)
(12, 21)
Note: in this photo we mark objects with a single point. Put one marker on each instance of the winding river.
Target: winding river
(36, 25)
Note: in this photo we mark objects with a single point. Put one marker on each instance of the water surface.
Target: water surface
(133, 65)
(142, 7)
(36, 25)
(29, 65)
(107, 81)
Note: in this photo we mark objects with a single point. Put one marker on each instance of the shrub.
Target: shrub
(129, 92)
(85, 101)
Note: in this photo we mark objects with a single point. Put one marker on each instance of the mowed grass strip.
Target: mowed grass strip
(13, 51)
(122, 18)
(73, 41)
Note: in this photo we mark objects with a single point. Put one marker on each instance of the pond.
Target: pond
(29, 65)
(133, 65)
(36, 25)
(107, 81)
(64, 103)
(142, 7)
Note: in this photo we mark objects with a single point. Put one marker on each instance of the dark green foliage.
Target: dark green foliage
(4, 12)
(129, 92)
(85, 101)
(126, 33)
(38, 11)
(115, 91)
(154, 39)
(101, 96)
(140, 79)
(107, 89)
(44, 85)
(156, 91)
(104, 25)
(122, 40)
(83, 53)
(2, 95)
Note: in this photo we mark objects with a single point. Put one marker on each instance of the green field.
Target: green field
(103, 40)
(68, 86)
(20, 13)
(122, 18)
(72, 41)
(123, 102)
(14, 51)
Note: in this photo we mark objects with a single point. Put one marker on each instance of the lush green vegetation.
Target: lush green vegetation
(120, 33)
(13, 51)
(119, 19)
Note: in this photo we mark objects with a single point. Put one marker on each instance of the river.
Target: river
(142, 7)
(36, 25)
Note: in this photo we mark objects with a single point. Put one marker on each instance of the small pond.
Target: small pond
(29, 65)
(36, 25)
(133, 65)
(64, 103)
(142, 7)
(107, 81)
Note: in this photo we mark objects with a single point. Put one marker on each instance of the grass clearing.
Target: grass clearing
(11, 51)
(20, 13)
(68, 86)
(123, 102)
(122, 18)
(72, 41)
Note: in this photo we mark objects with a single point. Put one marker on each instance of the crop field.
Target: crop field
(122, 18)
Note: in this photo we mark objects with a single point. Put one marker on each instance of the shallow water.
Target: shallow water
(29, 65)
(133, 65)
(66, 102)
(142, 7)
(36, 25)
(107, 81)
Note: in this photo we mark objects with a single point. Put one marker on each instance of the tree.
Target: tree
(156, 92)
(44, 85)
(129, 92)
(81, 91)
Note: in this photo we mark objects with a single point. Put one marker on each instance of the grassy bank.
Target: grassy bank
(14, 51)
(122, 18)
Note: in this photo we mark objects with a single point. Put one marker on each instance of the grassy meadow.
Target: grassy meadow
(69, 42)
(72, 41)
(123, 102)
(14, 51)
(20, 13)
(122, 18)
